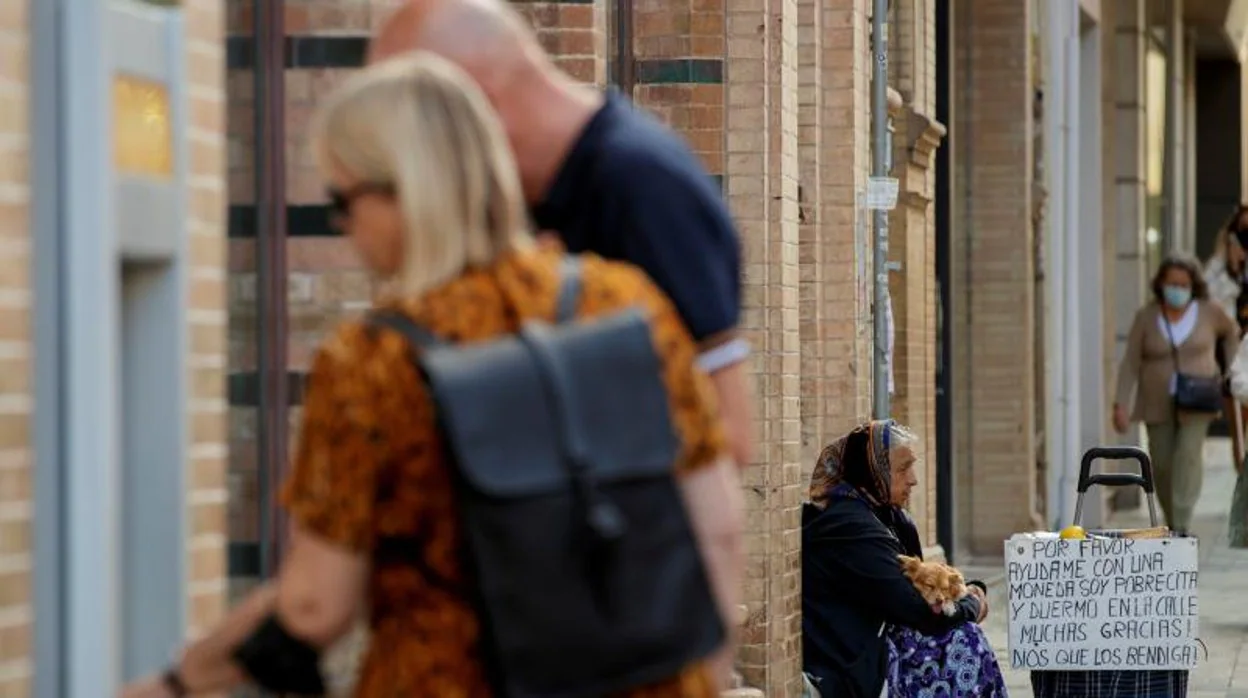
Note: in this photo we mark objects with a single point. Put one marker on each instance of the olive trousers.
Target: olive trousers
(1177, 451)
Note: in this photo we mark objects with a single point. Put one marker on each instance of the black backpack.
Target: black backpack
(589, 580)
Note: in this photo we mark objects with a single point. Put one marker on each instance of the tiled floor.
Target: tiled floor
(1223, 591)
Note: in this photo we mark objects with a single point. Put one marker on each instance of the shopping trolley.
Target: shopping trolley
(1115, 683)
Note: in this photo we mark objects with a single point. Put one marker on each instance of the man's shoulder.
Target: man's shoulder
(640, 152)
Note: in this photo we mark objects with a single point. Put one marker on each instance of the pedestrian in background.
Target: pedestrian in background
(1227, 275)
(1226, 271)
(1237, 520)
(1171, 366)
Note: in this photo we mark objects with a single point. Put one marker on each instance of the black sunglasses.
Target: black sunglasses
(340, 200)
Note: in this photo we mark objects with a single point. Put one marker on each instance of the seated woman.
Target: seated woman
(866, 630)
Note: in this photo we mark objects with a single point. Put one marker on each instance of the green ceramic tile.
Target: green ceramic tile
(667, 71)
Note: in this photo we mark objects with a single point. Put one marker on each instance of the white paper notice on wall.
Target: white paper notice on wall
(882, 193)
(1102, 604)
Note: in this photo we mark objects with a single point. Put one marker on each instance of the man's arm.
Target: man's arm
(733, 390)
(683, 237)
(716, 509)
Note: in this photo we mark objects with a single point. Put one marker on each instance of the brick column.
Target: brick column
(993, 293)
(1129, 252)
(16, 342)
(208, 439)
(845, 236)
(913, 245)
(810, 217)
(761, 184)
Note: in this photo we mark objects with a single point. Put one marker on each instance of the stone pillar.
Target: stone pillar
(845, 227)
(762, 187)
(1175, 228)
(913, 244)
(208, 445)
(811, 295)
(1130, 147)
(1130, 249)
(993, 290)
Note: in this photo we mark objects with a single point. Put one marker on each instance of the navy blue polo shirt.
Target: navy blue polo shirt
(630, 189)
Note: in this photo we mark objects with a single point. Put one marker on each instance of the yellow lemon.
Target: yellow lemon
(1074, 532)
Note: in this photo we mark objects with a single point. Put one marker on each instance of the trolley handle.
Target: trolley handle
(1143, 480)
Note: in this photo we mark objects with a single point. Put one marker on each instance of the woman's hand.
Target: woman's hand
(1121, 419)
(982, 598)
(150, 687)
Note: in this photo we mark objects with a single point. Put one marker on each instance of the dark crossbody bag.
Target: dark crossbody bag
(585, 569)
(1193, 393)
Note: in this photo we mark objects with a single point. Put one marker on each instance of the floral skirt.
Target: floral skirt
(957, 664)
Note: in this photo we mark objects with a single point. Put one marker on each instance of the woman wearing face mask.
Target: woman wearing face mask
(1171, 358)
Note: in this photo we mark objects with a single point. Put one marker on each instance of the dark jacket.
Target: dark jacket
(851, 585)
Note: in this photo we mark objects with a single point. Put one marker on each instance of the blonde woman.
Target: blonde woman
(423, 183)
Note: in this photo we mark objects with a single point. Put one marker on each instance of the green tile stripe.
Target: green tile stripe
(668, 71)
(552, 2)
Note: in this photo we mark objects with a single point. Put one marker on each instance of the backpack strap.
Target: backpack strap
(569, 289)
(415, 334)
(422, 337)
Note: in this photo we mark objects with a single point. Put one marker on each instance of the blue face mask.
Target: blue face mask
(1176, 296)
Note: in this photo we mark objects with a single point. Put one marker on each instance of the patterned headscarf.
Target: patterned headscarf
(858, 462)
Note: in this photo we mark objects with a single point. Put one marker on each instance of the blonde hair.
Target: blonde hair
(419, 125)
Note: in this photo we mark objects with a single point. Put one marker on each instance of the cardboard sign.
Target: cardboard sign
(1102, 603)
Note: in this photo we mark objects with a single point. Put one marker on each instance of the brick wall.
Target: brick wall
(993, 291)
(761, 184)
(912, 243)
(811, 294)
(241, 283)
(206, 481)
(846, 227)
(574, 33)
(1130, 253)
(679, 71)
(15, 355)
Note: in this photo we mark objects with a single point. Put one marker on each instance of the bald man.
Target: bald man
(605, 177)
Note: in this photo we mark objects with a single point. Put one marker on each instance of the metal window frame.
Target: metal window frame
(273, 411)
(84, 540)
(946, 534)
(76, 353)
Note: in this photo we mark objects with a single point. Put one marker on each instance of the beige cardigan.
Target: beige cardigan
(1149, 362)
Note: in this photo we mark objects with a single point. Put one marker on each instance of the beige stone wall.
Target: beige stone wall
(993, 290)
(761, 185)
(15, 351)
(206, 475)
(913, 243)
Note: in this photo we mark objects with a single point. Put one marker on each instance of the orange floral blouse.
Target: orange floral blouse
(370, 463)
